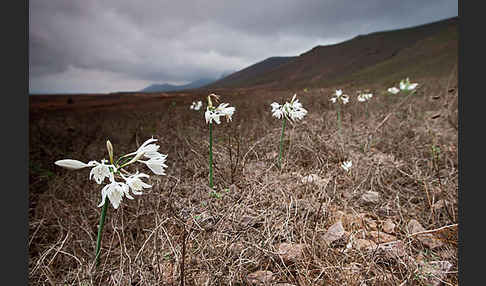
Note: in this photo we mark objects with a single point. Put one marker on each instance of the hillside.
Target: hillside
(430, 48)
(254, 71)
(170, 87)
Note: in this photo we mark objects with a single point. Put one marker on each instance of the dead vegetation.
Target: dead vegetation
(391, 220)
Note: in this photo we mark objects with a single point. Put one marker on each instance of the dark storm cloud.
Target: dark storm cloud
(101, 46)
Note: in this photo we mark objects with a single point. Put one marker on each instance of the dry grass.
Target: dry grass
(236, 231)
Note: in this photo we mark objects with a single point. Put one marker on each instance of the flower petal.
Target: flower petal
(412, 86)
(103, 196)
(393, 90)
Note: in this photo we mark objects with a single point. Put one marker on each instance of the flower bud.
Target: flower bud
(71, 164)
(110, 150)
(210, 103)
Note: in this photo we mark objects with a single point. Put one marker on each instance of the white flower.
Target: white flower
(214, 114)
(211, 115)
(136, 184)
(412, 86)
(226, 111)
(196, 105)
(72, 164)
(101, 171)
(115, 192)
(150, 151)
(295, 104)
(296, 111)
(156, 164)
(403, 85)
(364, 97)
(346, 165)
(393, 90)
(277, 110)
(292, 110)
(345, 98)
(406, 85)
(340, 97)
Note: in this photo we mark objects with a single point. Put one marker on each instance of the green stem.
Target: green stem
(281, 144)
(211, 155)
(339, 118)
(124, 159)
(100, 230)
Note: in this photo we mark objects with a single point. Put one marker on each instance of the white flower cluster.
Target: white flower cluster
(196, 105)
(364, 97)
(346, 165)
(214, 114)
(340, 97)
(404, 85)
(292, 110)
(156, 160)
(116, 190)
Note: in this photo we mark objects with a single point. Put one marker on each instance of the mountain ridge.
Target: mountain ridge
(324, 65)
(170, 87)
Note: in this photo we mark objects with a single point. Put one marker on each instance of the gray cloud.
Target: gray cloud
(111, 45)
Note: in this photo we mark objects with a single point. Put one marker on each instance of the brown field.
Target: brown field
(228, 236)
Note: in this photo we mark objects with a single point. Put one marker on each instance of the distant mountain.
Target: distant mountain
(170, 87)
(426, 50)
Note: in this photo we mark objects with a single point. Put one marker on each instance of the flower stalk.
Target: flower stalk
(340, 99)
(339, 118)
(291, 111)
(213, 114)
(211, 155)
(281, 144)
(100, 231)
(365, 97)
(407, 87)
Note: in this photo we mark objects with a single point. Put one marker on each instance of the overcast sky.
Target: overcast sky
(99, 46)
